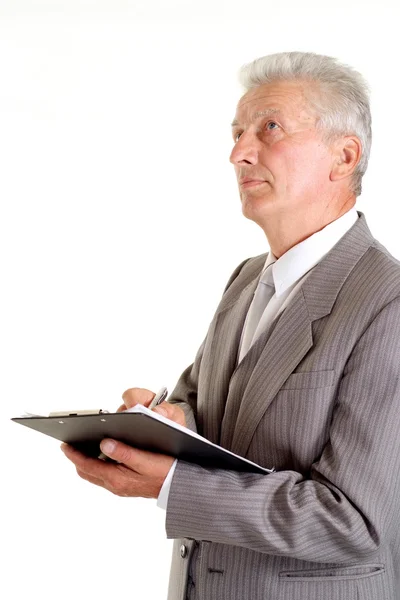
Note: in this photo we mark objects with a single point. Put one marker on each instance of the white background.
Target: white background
(115, 183)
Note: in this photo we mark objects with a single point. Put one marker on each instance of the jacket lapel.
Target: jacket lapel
(265, 368)
(220, 355)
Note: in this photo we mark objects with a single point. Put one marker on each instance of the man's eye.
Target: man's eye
(271, 126)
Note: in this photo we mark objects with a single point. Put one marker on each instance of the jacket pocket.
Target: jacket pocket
(309, 380)
(335, 573)
(358, 582)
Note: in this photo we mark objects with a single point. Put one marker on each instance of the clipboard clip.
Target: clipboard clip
(76, 413)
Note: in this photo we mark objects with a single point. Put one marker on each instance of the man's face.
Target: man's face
(277, 143)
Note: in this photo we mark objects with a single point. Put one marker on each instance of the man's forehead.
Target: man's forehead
(276, 99)
(259, 114)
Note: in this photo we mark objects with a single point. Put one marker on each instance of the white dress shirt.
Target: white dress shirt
(289, 273)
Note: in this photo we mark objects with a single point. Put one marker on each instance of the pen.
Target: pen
(159, 397)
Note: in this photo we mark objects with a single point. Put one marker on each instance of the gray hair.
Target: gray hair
(342, 103)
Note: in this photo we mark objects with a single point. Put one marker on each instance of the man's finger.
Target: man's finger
(139, 461)
(90, 478)
(122, 453)
(135, 396)
(92, 466)
(171, 411)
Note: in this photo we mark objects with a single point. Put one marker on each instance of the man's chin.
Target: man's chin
(254, 206)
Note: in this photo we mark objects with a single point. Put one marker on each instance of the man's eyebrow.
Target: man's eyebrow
(257, 115)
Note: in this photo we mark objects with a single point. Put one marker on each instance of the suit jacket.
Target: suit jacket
(318, 397)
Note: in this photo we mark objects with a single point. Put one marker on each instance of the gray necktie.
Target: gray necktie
(264, 292)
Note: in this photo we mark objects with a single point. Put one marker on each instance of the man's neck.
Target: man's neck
(283, 233)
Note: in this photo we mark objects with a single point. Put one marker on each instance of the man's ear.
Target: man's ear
(346, 156)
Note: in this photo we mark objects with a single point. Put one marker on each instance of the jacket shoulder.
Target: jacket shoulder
(385, 267)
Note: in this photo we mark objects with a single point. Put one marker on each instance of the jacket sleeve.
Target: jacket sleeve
(185, 391)
(349, 502)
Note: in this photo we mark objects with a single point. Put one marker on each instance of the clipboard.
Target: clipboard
(142, 428)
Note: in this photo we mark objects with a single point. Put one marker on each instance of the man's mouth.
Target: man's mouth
(247, 182)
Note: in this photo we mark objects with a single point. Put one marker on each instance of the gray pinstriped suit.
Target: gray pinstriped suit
(318, 397)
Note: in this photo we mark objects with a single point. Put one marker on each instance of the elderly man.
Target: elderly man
(300, 368)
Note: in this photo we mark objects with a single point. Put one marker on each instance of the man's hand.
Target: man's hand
(142, 396)
(136, 473)
(135, 396)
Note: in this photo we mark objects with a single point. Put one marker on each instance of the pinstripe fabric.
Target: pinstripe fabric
(318, 397)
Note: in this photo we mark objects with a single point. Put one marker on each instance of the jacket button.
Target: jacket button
(183, 551)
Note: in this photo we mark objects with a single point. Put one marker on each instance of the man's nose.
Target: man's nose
(245, 150)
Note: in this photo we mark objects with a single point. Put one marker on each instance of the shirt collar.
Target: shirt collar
(302, 257)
